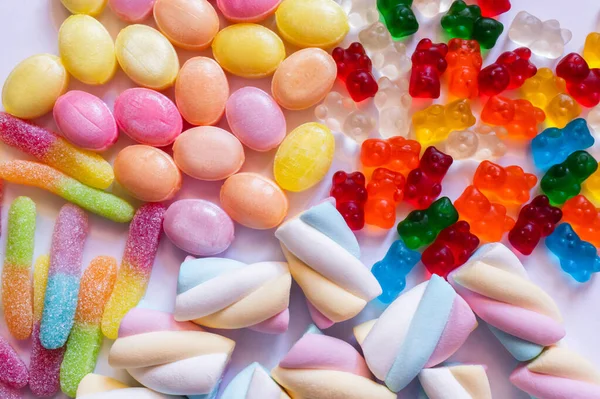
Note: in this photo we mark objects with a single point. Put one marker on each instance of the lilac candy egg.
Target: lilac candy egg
(85, 120)
(255, 119)
(148, 117)
(198, 227)
(247, 10)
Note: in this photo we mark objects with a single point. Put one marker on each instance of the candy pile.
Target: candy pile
(405, 153)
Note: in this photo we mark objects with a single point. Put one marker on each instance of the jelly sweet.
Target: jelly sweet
(385, 192)
(394, 104)
(433, 124)
(577, 257)
(546, 39)
(554, 145)
(464, 64)
(341, 114)
(354, 68)
(424, 184)
(189, 24)
(519, 117)
(396, 153)
(451, 249)
(421, 227)
(350, 195)
(429, 63)
(399, 17)
(510, 71)
(465, 22)
(563, 180)
(481, 142)
(392, 270)
(508, 185)
(584, 217)
(536, 220)
(493, 8)
(583, 82)
(390, 58)
(591, 50)
(432, 8)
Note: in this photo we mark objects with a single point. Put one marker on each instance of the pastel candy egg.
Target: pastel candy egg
(198, 227)
(208, 153)
(85, 120)
(33, 87)
(304, 157)
(304, 79)
(147, 173)
(148, 117)
(312, 23)
(147, 57)
(247, 10)
(132, 11)
(254, 201)
(248, 50)
(87, 50)
(89, 7)
(189, 24)
(256, 119)
(201, 91)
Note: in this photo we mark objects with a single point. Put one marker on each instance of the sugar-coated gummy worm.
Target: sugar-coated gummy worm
(87, 167)
(44, 365)
(45, 177)
(85, 340)
(66, 252)
(136, 266)
(13, 372)
(16, 283)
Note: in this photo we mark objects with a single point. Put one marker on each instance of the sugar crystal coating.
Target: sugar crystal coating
(13, 372)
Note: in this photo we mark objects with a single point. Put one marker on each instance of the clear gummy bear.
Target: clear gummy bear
(594, 119)
(482, 142)
(546, 39)
(431, 8)
(389, 57)
(360, 12)
(340, 114)
(393, 102)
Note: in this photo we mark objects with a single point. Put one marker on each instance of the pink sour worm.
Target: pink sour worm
(66, 253)
(86, 337)
(45, 177)
(87, 167)
(44, 366)
(16, 283)
(133, 277)
(13, 372)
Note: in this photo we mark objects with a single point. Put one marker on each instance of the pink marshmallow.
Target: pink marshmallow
(552, 387)
(140, 321)
(277, 324)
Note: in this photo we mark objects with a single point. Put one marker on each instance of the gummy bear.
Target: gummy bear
(563, 181)
(451, 249)
(554, 145)
(584, 217)
(591, 50)
(466, 22)
(354, 68)
(392, 270)
(545, 39)
(493, 8)
(592, 186)
(429, 63)
(341, 114)
(399, 17)
(384, 193)
(561, 110)
(464, 64)
(393, 102)
(361, 12)
(541, 88)
(432, 8)
(593, 119)
(577, 257)
(396, 153)
(434, 123)
(536, 220)
(583, 83)
(483, 142)
(389, 57)
(488, 221)
(423, 184)
(350, 195)
(510, 71)
(519, 117)
(375, 38)
(421, 227)
(507, 185)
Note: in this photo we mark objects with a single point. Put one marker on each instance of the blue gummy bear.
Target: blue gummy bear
(554, 145)
(392, 270)
(577, 257)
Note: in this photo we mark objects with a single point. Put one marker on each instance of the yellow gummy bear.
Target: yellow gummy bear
(434, 123)
(591, 50)
(592, 187)
(562, 110)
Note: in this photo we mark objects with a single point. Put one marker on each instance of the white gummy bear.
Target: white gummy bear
(340, 114)
(546, 39)
(375, 37)
(361, 12)
(393, 102)
(358, 125)
(593, 119)
(431, 8)
(389, 57)
(483, 142)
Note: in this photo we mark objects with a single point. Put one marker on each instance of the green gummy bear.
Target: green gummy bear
(563, 181)
(21, 232)
(421, 227)
(399, 17)
(487, 31)
(465, 22)
(80, 358)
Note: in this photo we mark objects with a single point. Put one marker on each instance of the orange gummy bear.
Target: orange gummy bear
(519, 117)
(464, 64)
(396, 153)
(507, 185)
(583, 216)
(386, 190)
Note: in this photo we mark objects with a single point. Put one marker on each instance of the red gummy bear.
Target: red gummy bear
(429, 63)
(452, 248)
(423, 184)
(350, 197)
(536, 220)
(396, 153)
(493, 8)
(519, 117)
(583, 83)
(508, 185)
(354, 68)
(509, 72)
(464, 63)
(385, 192)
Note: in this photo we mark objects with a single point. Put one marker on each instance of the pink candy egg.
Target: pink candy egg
(256, 119)
(132, 11)
(198, 227)
(85, 120)
(247, 10)
(189, 24)
(148, 117)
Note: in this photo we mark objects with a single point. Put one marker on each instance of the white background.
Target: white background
(29, 27)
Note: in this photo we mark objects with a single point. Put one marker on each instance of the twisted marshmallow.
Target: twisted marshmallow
(456, 382)
(323, 257)
(224, 293)
(522, 316)
(420, 329)
(94, 386)
(168, 356)
(253, 382)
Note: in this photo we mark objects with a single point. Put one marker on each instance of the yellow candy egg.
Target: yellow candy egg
(312, 23)
(147, 57)
(87, 50)
(248, 50)
(89, 7)
(33, 87)
(304, 157)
